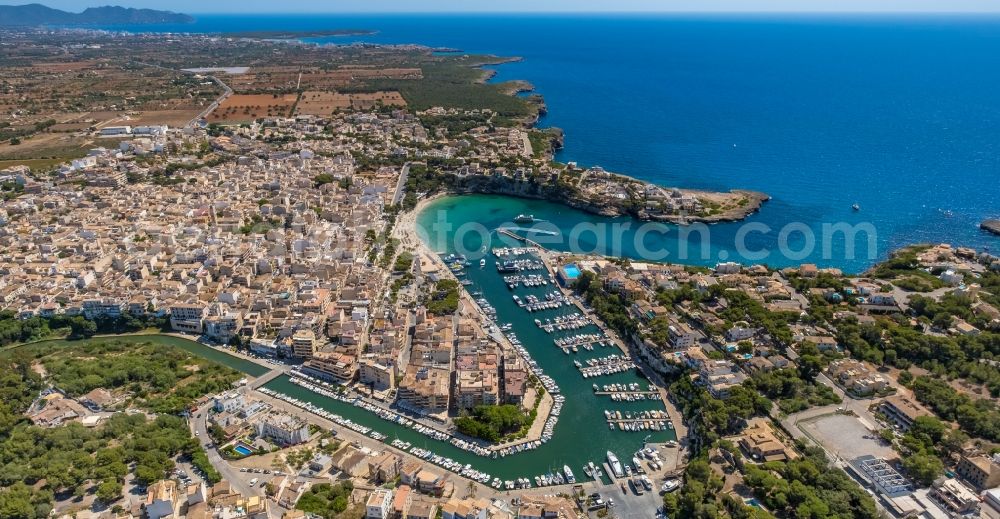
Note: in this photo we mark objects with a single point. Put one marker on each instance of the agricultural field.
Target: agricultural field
(326, 103)
(56, 87)
(40, 91)
(270, 79)
(172, 118)
(240, 108)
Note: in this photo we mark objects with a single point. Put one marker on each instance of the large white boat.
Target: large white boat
(570, 478)
(616, 466)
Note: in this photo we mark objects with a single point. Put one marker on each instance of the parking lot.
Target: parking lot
(845, 436)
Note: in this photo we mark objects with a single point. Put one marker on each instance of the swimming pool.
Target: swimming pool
(572, 271)
(242, 449)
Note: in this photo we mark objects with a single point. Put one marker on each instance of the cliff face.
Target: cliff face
(565, 195)
(37, 14)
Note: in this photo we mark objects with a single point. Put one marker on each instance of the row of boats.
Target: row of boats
(563, 323)
(547, 382)
(605, 366)
(579, 339)
(529, 280)
(556, 478)
(447, 463)
(641, 421)
(503, 252)
(465, 470)
(327, 390)
(488, 310)
(628, 392)
(533, 303)
(520, 265)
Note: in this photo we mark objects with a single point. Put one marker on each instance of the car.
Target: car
(243, 469)
(197, 433)
(253, 481)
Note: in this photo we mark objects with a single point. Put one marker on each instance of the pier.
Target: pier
(522, 239)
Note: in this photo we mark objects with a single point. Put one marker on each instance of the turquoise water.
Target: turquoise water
(899, 114)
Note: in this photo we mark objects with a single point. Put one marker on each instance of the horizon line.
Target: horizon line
(636, 12)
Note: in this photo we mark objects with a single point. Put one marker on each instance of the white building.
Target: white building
(379, 505)
(94, 308)
(187, 317)
(740, 332)
(230, 402)
(283, 429)
(116, 130)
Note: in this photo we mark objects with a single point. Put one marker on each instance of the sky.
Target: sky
(459, 6)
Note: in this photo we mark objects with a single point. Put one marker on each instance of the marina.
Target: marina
(509, 467)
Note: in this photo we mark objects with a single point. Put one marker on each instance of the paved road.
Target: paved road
(401, 184)
(238, 480)
(226, 91)
(215, 104)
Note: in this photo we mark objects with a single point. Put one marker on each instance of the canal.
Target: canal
(582, 433)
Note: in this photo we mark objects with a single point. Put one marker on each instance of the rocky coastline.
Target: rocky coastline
(607, 207)
(991, 226)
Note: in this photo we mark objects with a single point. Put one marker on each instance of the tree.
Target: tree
(15, 502)
(109, 491)
(809, 367)
(923, 468)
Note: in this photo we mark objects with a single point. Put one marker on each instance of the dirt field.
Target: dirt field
(326, 103)
(63, 66)
(248, 107)
(172, 118)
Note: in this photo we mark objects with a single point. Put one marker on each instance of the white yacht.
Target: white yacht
(616, 466)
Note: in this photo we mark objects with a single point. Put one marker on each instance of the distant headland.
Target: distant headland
(38, 14)
(294, 35)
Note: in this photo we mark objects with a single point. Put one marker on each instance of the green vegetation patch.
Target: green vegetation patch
(454, 82)
(444, 298)
(40, 463)
(326, 500)
(161, 378)
(493, 422)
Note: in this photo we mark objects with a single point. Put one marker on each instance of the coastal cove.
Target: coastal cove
(820, 113)
(562, 228)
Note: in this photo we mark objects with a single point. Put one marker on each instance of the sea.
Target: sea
(899, 115)
(896, 114)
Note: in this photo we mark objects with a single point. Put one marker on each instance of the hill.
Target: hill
(38, 14)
